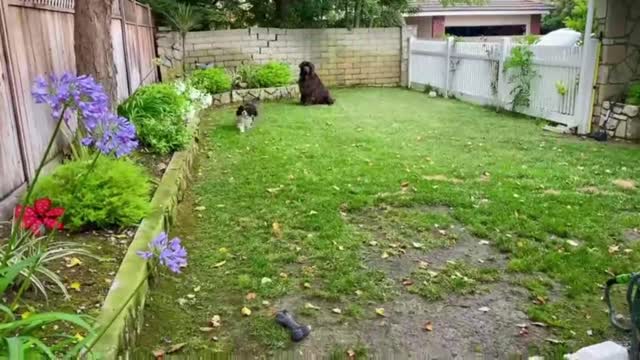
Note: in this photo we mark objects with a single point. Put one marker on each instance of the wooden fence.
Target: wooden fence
(475, 71)
(37, 38)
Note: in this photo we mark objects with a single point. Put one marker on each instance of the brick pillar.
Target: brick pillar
(534, 29)
(437, 27)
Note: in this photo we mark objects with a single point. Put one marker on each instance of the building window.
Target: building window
(499, 30)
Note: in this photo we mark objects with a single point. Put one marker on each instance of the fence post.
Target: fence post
(409, 49)
(584, 104)
(125, 45)
(504, 50)
(447, 75)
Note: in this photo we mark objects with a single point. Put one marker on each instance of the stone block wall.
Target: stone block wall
(624, 120)
(342, 57)
(618, 24)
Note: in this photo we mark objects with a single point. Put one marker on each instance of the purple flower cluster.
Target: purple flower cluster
(72, 94)
(169, 253)
(111, 134)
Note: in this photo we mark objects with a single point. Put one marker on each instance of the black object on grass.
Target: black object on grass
(298, 331)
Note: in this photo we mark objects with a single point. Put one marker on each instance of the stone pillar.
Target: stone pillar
(437, 27)
(534, 28)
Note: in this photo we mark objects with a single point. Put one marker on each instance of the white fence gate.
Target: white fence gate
(475, 72)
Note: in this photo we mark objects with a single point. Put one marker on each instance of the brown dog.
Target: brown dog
(312, 91)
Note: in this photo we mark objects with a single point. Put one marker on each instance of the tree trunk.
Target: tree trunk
(283, 7)
(93, 47)
(357, 13)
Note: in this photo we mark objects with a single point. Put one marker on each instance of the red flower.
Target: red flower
(40, 216)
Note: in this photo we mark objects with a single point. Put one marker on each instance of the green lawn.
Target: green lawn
(270, 213)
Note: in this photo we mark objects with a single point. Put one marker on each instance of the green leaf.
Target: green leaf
(30, 340)
(6, 310)
(15, 347)
(10, 273)
(43, 319)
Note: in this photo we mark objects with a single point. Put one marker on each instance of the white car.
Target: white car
(561, 37)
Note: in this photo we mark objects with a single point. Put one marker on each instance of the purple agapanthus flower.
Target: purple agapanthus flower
(111, 134)
(169, 253)
(72, 94)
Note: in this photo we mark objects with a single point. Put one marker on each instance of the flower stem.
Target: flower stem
(30, 188)
(113, 319)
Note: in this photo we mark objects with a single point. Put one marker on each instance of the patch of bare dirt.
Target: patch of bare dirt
(442, 178)
(489, 324)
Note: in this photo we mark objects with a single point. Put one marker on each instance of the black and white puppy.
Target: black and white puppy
(245, 116)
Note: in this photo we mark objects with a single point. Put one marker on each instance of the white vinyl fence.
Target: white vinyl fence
(475, 72)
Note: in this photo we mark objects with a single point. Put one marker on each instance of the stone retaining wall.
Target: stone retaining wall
(624, 120)
(373, 56)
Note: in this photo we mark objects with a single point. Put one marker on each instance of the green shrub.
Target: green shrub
(158, 112)
(212, 80)
(633, 95)
(246, 74)
(115, 194)
(273, 74)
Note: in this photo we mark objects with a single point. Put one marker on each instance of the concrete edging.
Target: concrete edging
(122, 333)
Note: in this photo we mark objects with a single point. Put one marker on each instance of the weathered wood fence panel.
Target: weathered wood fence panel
(37, 38)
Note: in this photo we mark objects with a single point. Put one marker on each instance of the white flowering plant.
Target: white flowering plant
(198, 100)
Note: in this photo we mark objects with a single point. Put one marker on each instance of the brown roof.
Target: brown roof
(491, 5)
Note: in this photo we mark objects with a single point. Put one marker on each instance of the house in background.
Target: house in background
(494, 18)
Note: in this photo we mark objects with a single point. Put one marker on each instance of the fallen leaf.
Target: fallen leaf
(182, 301)
(266, 303)
(336, 311)
(197, 288)
(313, 212)
(351, 354)
(614, 249)
(407, 282)
(276, 229)
(539, 324)
(373, 243)
(215, 321)
(199, 208)
(306, 285)
(207, 329)
(158, 354)
(484, 309)
(25, 315)
(385, 255)
(246, 311)
(265, 281)
(336, 188)
(573, 243)
(78, 337)
(380, 312)
(284, 275)
(428, 326)
(625, 184)
(75, 286)
(554, 341)
(417, 245)
(423, 264)
(483, 242)
(589, 332)
(191, 296)
(540, 300)
(358, 292)
(250, 296)
(221, 263)
(71, 262)
(311, 306)
(176, 348)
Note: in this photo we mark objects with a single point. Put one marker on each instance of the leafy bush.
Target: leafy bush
(115, 194)
(158, 112)
(633, 95)
(245, 76)
(273, 74)
(212, 80)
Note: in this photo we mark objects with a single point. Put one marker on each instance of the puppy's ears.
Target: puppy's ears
(240, 110)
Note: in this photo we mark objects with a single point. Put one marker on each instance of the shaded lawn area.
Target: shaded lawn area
(269, 214)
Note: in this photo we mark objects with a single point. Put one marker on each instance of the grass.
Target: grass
(455, 278)
(275, 202)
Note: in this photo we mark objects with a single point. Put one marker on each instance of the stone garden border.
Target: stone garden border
(122, 333)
